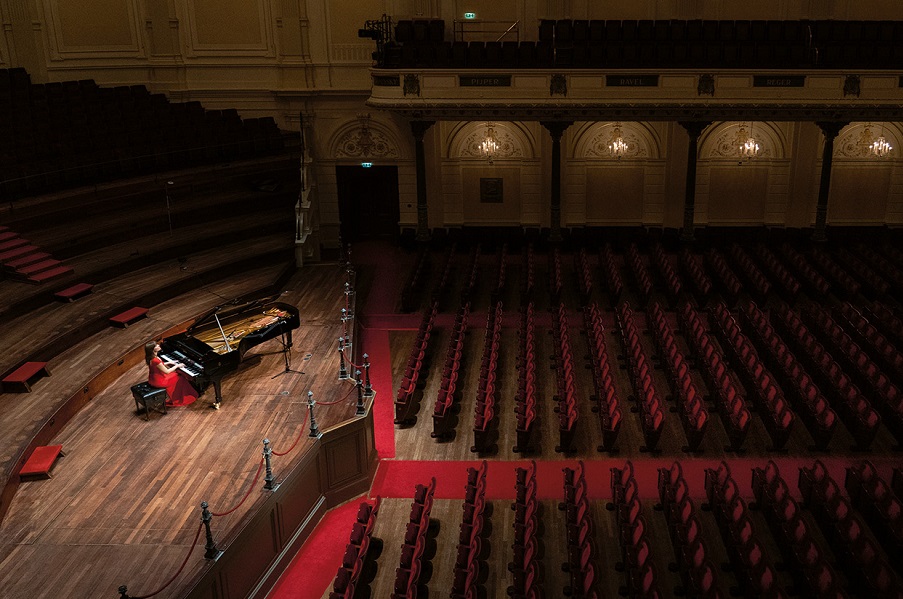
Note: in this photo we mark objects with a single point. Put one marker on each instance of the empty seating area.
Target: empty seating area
(359, 553)
(72, 133)
(742, 44)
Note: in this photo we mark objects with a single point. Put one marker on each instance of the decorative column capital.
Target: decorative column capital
(830, 129)
(419, 128)
(694, 128)
(556, 128)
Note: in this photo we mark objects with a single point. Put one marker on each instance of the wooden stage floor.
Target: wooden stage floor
(122, 507)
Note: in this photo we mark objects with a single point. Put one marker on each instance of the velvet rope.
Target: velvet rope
(340, 400)
(358, 366)
(182, 567)
(251, 488)
(301, 432)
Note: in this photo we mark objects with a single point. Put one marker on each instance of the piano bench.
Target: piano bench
(147, 398)
(124, 319)
(40, 462)
(22, 378)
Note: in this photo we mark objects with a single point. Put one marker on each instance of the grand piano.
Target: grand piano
(215, 344)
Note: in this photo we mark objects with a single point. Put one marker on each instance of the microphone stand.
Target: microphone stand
(286, 350)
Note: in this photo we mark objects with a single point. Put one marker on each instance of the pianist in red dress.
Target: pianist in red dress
(181, 392)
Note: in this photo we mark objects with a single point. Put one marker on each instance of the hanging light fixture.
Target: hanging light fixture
(880, 147)
(490, 145)
(748, 146)
(617, 147)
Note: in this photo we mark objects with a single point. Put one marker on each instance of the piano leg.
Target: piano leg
(217, 389)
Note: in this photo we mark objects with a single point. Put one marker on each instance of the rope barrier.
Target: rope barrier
(182, 567)
(251, 488)
(332, 403)
(358, 366)
(301, 432)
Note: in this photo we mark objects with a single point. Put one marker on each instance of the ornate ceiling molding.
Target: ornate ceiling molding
(722, 141)
(364, 140)
(512, 143)
(593, 142)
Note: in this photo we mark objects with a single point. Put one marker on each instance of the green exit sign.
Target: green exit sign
(470, 15)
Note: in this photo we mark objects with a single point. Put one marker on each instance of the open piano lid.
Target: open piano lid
(246, 323)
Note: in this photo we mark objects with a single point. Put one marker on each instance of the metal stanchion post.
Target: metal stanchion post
(268, 479)
(360, 392)
(314, 431)
(211, 552)
(368, 390)
(343, 372)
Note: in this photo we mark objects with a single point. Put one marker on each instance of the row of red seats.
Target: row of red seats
(580, 567)
(419, 531)
(892, 274)
(730, 403)
(584, 274)
(783, 515)
(555, 279)
(503, 269)
(470, 279)
(881, 389)
(357, 552)
(636, 551)
(525, 404)
(887, 319)
(414, 281)
(696, 570)
(470, 563)
(438, 291)
(566, 394)
(605, 400)
(693, 414)
(749, 558)
(529, 271)
(858, 415)
(817, 284)
(525, 567)
(873, 284)
(779, 273)
(666, 271)
(649, 403)
(730, 284)
(634, 263)
(611, 274)
(865, 566)
(758, 381)
(882, 508)
(405, 400)
(701, 281)
(759, 284)
(843, 283)
(885, 352)
(804, 394)
(484, 418)
(443, 409)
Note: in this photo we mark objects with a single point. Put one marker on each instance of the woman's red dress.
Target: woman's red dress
(181, 393)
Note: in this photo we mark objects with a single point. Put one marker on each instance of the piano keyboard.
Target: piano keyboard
(189, 367)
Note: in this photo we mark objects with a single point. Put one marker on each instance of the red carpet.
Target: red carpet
(376, 343)
(314, 567)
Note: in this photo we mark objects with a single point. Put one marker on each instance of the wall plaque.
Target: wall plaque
(386, 80)
(631, 80)
(779, 80)
(484, 80)
(491, 190)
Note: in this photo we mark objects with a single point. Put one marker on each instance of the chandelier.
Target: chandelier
(490, 145)
(879, 147)
(748, 146)
(617, 147)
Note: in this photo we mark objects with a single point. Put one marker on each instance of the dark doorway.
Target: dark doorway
(368, 202)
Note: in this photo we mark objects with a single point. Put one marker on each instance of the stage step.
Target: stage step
(17, 252)
(25, 260)
(12, 243)
(46, 275)
(36, 267)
